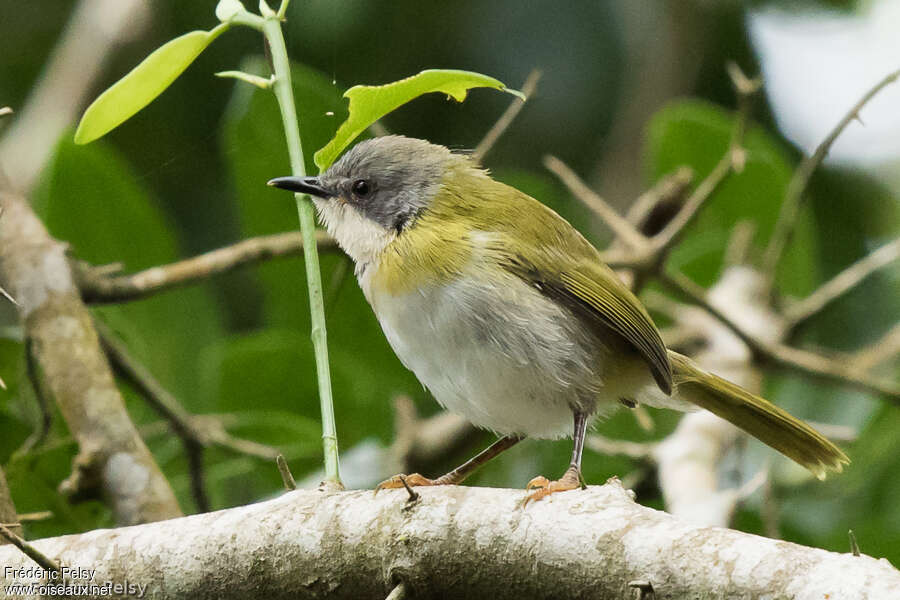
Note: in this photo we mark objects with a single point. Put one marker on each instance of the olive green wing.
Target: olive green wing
(565, 266)
(591, 290)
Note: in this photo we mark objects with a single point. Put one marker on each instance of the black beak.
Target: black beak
(302, 185)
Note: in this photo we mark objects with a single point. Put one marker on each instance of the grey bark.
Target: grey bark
(112, 457)
(458, 542)
(8, 514)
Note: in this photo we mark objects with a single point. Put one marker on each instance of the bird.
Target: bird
(508, 315)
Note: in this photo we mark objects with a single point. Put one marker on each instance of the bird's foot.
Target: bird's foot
(540, 487)
(413, 480)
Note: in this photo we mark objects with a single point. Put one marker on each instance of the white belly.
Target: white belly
(510, 361)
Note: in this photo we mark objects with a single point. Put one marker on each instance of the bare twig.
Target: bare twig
(732, 161)
(885, 349)
(634, 450)
(790, 208)
(8, 514)
(506, 119)
(32, 370)
(841, 283)
(286, 476)
(620, 226)
(40, 515)
(780, 355)
(854, 545)
(195, 433)
(644, 254)
(398, 593)
(739, 243)
(669, 187)
(99, 288)
(28, 550)
(413, 495)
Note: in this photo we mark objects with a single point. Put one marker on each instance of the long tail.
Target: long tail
(758, 417)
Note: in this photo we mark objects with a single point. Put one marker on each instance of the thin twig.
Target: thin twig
(98, 288)
(841, 283)
(790, 208)
(30, 551)
(610, 447)
(854, 546)
(620, 226)
(506, 119)
(286, 476)
(413, 495)
(40, 515)
(195, 432)
(39, 435)
(398, 593)
(732, 161)
(802, 361)
(165, 404)
(886, 348)
(669, 187)
(739, 243)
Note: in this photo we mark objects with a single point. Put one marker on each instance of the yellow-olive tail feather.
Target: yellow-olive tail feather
(758, 417)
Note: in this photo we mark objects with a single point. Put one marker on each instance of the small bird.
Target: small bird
(508, 315)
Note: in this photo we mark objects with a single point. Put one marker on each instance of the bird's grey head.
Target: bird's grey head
(388, 180)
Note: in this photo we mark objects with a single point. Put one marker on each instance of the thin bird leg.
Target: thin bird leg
(540, 486)
(457, 475)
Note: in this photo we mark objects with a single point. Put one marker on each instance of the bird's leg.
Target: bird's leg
(458, 474)
(540, 486)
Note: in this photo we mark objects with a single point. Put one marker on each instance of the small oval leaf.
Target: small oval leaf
(368, 103)
(144, 83)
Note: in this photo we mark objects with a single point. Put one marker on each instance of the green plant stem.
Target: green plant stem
(285, 96)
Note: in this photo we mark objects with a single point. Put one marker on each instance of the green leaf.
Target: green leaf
(368, 103)
(144, 83)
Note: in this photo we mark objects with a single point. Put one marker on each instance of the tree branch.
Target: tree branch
(28, 550)
(97, 287)
(196, 433)
(624, 231)
(506, 119)
(8, 514)
(793, 198)
(780, 355)
(583, 543)
(840, 284)
(112, 457)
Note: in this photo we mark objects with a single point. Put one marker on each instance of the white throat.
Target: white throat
(361, 238)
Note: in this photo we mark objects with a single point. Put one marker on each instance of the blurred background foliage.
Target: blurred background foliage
(630, 91)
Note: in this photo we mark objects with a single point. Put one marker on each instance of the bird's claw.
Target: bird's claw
(396, 482)
(540, 487)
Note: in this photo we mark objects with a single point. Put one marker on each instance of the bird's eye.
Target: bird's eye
(361, 188)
